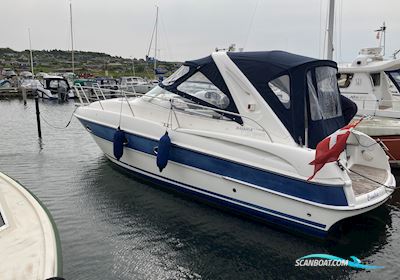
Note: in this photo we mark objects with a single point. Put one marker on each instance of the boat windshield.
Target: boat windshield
(395, 78)
(325, 97)
(182, 71)
(2, 223)
(58, 83)
(162, 97)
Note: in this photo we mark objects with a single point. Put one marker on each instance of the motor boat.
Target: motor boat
(8, 73)
(240, 129)
(135, 84)
(28, 82)
(26, 75)
(5, 84)
(373, 83)
(29, 240)
(55, 87)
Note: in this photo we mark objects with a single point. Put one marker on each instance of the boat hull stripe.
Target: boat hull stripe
(323, 194)
(229, 202)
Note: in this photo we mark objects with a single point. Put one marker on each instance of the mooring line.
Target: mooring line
(57, 127)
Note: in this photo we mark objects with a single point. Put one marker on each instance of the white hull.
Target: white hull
(374, 108)
(47, 94)
(270, 205)
(249, 156)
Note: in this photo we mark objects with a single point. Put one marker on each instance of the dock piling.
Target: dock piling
(38, 116)
(24, 95)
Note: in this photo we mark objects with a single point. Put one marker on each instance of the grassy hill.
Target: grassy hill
(98, 64)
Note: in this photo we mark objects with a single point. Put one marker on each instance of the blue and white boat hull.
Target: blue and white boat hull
(310, 213)
(243, 129)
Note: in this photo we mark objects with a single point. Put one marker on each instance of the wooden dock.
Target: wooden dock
(10, 92)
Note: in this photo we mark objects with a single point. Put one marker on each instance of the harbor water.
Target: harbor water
(113, 226)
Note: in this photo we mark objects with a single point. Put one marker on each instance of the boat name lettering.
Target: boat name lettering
(244, 128)
(373, 195)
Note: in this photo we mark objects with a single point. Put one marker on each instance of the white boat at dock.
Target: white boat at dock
(54, 87)
(373, 83)
(245, 140)
(135, 84)
(29, 242)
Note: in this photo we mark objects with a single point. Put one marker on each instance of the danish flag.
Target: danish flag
(330, 148)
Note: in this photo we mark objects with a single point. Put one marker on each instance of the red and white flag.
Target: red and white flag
(330, 148)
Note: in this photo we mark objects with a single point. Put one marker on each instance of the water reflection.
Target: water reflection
(209, 242)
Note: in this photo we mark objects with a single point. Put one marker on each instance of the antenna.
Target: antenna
(383, 30)
(384, 38)
(329, 50)
(72, 37)
(155, 44)
(30, 50)
(133, 66)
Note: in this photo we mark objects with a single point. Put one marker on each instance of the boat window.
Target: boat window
(344, 80)
(202, 88)
(162, 97)
(63, 84)
(315, 110)
(395, 77)
(281, 87)
(325, 98)
(53, 84)
(2, 223)
(376, 79)
(182, 71)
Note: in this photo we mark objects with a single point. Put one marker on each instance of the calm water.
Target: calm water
(113, 226)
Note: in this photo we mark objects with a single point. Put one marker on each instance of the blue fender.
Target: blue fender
(164, 146)
(119, 139)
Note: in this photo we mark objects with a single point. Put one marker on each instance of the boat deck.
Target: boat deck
(27, 237)
(362, 185)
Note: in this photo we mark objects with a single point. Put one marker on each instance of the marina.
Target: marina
(113, 226)
(130, 158)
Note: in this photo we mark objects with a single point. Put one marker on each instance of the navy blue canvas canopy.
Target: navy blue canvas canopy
(262, 67)
(209, 69)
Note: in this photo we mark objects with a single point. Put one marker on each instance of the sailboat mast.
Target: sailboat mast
(384, 38)
(30, 50)
(155, 43)
(331, 16)
(72, 38)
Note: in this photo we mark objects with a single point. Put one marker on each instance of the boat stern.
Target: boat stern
(368, 170)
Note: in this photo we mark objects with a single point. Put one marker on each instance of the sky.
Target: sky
(191, 29)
